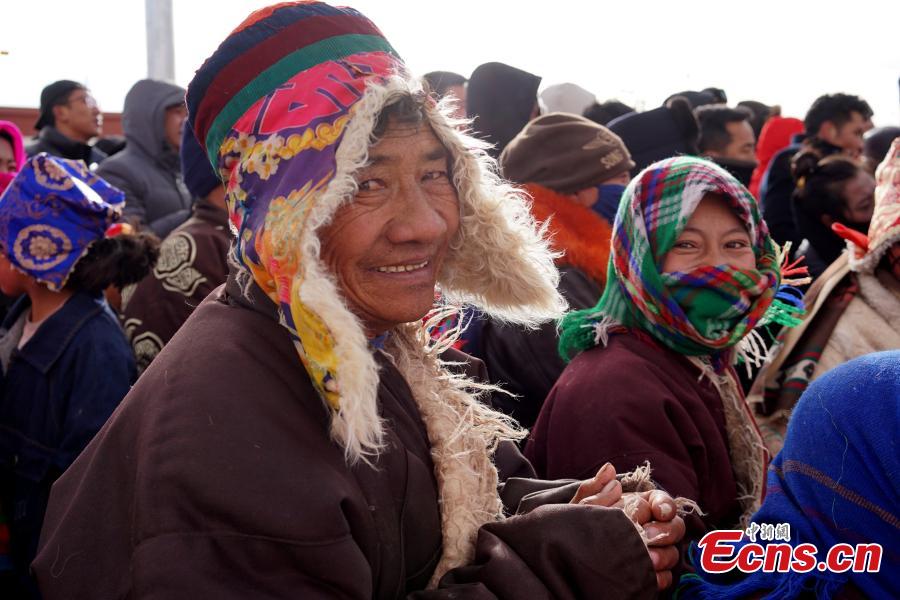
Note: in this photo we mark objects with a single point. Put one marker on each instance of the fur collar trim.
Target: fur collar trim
(577, 232)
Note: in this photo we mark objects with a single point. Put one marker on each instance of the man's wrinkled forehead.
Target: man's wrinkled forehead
(385, 150)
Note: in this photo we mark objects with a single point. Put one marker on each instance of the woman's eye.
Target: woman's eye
(371, 185)
(737, 244)
(684, 244)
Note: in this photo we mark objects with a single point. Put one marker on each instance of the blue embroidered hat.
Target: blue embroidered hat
(51, 213)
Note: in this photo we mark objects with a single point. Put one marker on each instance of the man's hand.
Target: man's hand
(655, 511)
(603, 490)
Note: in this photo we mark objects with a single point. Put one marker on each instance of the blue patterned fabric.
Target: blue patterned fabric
(51, 213)
(837, 480)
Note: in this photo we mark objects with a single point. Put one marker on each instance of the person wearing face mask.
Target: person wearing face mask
(834, 124)
(148, 170)
(727, 139)
(853, 309)
(563, 161)
(831, 190)
(692, 272)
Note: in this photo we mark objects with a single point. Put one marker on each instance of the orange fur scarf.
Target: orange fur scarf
(576, 230)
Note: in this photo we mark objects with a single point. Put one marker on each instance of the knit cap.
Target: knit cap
(199, 176)
(565, 153)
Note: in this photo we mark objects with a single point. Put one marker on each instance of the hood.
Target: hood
(567, 98)
(288, 122)
(500, 99)
(657, 134)
(9, 129)
(144, 114)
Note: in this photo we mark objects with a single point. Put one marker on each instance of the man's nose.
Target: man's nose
(416, 218)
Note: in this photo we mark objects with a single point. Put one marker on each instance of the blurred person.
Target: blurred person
(192, 261)
(603, 113)
(834, 482)
(65, 361)
(301, 436)
(12, 152)
(566, 98)
(501, 100)
(447, 83)
(876, 145)
(148, 169)
(562, 161)
(829, 190)
(759, 114)
(726, 138)
(853, 309)
(834, 124)
(69, 119)
(778, 133)
(706, 96)
(660, 133)
(651, 379)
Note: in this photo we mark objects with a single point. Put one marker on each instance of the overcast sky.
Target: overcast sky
(779, 52)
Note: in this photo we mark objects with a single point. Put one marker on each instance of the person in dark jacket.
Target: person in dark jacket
(834, 124)
(659, 133)
(148, 170)
(692, 272)
(563, 161)
(192, 261)
(300, 436)
(829, 190)
(65, 361)
(69, 119)
(501, 100)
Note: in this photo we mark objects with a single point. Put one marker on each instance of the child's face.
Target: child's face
(12, 282)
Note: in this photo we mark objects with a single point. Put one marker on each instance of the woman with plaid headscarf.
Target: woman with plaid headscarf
(692, 272)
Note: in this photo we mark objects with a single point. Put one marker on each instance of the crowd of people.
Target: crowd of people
(319, 327)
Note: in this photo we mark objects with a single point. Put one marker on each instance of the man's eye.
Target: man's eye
(371, 185)
(435, 175)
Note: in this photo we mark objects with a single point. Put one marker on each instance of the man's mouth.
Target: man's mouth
(402, 268)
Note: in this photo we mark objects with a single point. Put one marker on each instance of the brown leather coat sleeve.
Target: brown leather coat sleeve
(557, 552)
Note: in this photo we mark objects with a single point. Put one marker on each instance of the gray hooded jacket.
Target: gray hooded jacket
(148, 170)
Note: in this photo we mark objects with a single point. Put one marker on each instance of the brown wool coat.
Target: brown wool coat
(216, 478)
(635, 401)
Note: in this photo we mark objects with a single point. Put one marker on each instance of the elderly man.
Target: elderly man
(301, 436)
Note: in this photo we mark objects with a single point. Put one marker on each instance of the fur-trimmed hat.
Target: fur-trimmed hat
(286, 108)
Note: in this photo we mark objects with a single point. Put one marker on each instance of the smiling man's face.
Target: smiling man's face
(386, 247)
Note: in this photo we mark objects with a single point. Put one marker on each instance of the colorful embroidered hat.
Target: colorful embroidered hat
(285, 109)
(884, 229)
(51, 213)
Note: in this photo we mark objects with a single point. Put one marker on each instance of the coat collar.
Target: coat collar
(54, 335)
(206, 211)
(65, 146)
(577, 231)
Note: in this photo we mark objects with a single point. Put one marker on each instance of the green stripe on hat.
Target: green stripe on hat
(333, 48)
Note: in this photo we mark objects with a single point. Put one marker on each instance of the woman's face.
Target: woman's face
(859, 198)
(713, 236)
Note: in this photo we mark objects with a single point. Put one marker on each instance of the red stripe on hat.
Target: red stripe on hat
(244, 68)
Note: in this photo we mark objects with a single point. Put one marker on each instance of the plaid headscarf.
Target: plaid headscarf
(703, 312)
